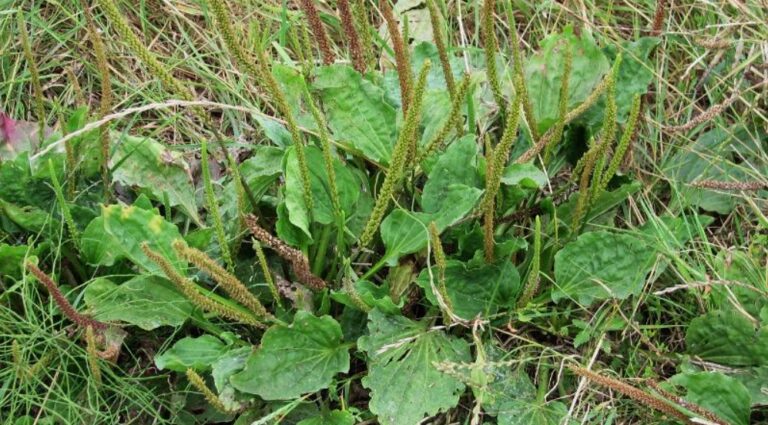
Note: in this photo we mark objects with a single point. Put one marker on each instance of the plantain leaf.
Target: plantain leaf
(294, 360)
(120, 231)
(405, 385)
(160, 172)
(480, 291)
(196, 353)
(357, 113)
(544, 74)
(726, 397)
(602, 265)
(145, 301)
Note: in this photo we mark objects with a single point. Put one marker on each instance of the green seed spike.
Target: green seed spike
(532, 284)
(364, 29)
(267, 273)
(440, 262)
(325, 142)
(403, 147)
(562, 105)
(488, 205)
(501, 152)
(623, 145)
(608, 130)
(585, 195)
(222, 19)
(92, 355)
(226, 280)
(139, 49)
(519, 77)
(454, 121)
(194, 295)
(278, 96)
(198, 382)
(213, 206)
(490, 48)
(34, 74)
(442, 50)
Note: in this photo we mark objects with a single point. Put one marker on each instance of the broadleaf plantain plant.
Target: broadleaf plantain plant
(311, 251)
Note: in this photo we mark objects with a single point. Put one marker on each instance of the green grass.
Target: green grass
(697, 269)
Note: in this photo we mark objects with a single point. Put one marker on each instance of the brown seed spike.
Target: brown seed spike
(299, 263)
(313, 18)
(402, 58)
(658, 17)
(348, 23)
(634, 393)
(66, 308)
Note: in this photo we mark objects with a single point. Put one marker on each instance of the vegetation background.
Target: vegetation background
(335, 212)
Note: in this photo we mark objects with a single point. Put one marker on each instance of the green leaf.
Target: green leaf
(127, 227)
(18, 186)
(634, 76)
(196, 353)
(334, 417)
(456, 166)
(96, 245)
(291, 80)
(405, 385)
(526, 175)
(544, 74)
(356, 111)
(28, 218)
(260, 172)
(728, 338)
(482, 291)
(230, 363)
(602, 265)
(294, 360)
(710, 157)
(347, 185)
(532, 412)
(12, 259)
(146, 163)
(755, 380)
(403, 232)
(604, 203)
(372, 295)
(724, 396)
(145, 301)
(458, 201)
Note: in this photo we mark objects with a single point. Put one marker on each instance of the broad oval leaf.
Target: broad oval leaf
(456, 166)
(295, 360)
(544, 74)
(128, 227)
(405, 385)
(196, 353)
(357, 113)
(728, 338)
(602, 265)
(481, 291)
(161, 172)
(347, 185)
(145, 301)
(724, 396)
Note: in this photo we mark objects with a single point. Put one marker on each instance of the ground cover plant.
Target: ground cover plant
(357, 212)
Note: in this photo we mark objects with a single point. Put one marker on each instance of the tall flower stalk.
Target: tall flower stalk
(403, 147)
